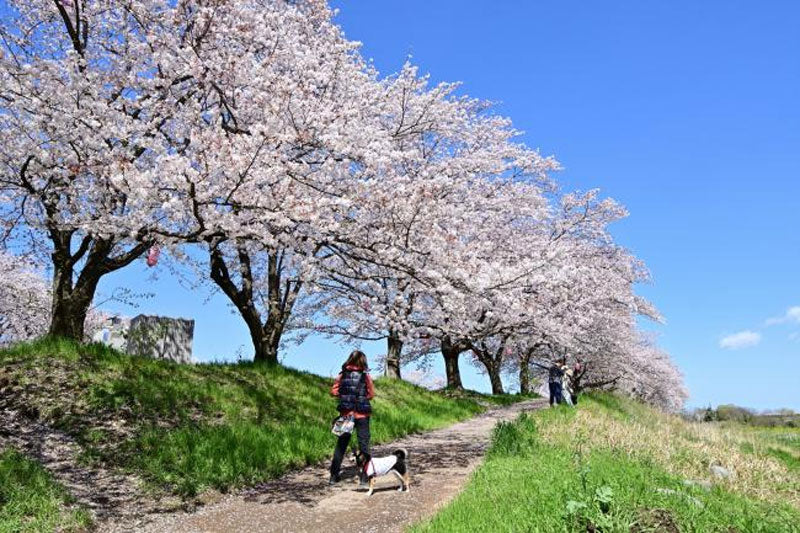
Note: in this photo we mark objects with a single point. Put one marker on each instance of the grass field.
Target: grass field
(616, 465)
(185, 428)
(31, 501)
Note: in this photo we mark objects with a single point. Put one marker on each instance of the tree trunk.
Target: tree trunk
(492, 369)
(492, 361)
(524, 376)
(394, 349)
(71, 304)
(451, 352)
(264, 344)
(494, 378)
(68, 318)
(72, 298)
(281, 294)
(265, 340)
(265, 353)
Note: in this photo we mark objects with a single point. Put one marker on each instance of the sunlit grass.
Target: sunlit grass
(685, 449)
(30, 500)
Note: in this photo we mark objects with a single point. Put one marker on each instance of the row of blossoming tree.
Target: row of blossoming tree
(324, 197)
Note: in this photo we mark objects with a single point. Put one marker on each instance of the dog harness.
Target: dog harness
(380, 466)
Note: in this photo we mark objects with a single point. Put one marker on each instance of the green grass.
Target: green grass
(532, 482)
(30, 500)
(791, 460)
(186, 428)
(782, 443)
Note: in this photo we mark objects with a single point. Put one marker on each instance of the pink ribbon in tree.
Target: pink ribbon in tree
(152, 255)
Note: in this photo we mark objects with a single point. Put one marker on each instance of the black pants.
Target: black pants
(362, 431)
(555, 393)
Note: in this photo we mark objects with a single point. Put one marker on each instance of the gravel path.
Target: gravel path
(439, 461)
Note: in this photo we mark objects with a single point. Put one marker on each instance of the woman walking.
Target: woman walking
(354, 388)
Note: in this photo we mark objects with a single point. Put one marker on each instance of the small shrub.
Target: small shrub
(514, 438)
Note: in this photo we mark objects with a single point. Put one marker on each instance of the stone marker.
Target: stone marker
(161, 338)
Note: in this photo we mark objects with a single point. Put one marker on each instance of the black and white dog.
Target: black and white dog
(373, 467)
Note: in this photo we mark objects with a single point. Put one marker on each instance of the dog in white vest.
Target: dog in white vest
(374, 467)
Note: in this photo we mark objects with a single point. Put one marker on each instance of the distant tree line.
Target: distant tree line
(743, 415)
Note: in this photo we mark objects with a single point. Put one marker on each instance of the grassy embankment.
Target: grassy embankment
(186, 428)
(616, 465)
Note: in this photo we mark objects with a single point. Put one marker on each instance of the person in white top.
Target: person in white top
(566, 386)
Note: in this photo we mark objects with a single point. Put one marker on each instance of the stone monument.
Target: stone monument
(161, 338)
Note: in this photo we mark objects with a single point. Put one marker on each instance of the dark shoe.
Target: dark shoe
(334, 479)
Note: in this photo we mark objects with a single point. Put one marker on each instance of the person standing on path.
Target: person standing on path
(555, 381)
(354, 388)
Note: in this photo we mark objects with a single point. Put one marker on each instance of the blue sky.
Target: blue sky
(686, 112)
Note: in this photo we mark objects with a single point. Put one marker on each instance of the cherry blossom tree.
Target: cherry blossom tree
(86, 112)
(652, 377)
(24, 300)
(269, 288)
(126, 123)
(519, 286)
(588, 283)
(289, 189)
(384, 268)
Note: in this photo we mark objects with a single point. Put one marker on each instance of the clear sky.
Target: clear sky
(686, 112)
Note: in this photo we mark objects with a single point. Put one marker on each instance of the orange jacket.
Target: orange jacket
(370, 391)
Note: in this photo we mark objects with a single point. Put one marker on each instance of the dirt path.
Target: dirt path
(440, 463)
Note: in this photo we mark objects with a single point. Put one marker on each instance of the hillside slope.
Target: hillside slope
(187, 428)
(617, 465)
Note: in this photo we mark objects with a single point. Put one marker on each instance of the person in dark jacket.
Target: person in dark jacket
(556, 381)
(354, 388)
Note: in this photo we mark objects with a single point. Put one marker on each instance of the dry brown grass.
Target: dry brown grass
(685, 449)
